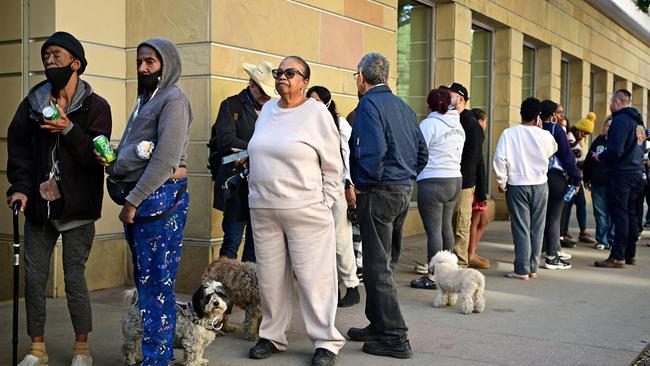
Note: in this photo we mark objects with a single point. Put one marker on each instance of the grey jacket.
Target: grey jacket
(164, 120)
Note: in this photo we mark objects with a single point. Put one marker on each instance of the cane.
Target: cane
(16, 208)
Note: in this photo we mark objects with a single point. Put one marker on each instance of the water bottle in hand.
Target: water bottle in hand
(570, 193)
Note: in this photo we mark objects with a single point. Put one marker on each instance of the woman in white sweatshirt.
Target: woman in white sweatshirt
(440, 182)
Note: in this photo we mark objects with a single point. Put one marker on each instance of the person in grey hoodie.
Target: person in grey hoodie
(149, 177)
(440, 182)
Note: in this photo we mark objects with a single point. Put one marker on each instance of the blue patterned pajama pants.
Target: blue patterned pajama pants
(156, 249)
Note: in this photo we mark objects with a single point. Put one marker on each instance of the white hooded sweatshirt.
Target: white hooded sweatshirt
(445, 138)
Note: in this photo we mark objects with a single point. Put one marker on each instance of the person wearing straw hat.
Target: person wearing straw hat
(230, 134)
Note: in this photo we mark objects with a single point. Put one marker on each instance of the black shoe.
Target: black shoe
(351, 297)
(567, 243)
(380, 349)
(263, 349)
(323, 357)
(363, 334)
(424, 283)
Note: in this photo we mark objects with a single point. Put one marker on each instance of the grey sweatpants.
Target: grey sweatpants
(436, 202)
(39, 244)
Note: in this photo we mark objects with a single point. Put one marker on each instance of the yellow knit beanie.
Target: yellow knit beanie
(586, 124)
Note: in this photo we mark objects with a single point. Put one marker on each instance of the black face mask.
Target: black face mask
(59, 76)
(148, 82)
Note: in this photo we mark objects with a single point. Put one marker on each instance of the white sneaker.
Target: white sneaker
(31, 360)
(421, 269)
(564, 255)
(80, 360)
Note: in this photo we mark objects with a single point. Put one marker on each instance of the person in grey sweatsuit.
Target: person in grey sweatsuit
(151, 172)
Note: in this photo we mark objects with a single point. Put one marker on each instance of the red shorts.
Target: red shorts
(479, 206)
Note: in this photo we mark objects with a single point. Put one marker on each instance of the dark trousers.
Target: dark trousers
(382, 211)
(557, 186)
(623, 191)
(232, 234)
(39, 244)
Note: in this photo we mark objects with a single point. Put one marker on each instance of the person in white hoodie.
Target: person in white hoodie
(520, 164)
(440, 182)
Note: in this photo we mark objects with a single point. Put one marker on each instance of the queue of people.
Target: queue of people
(293, 178)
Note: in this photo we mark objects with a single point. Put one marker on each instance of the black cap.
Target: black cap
(71, 44)
(457, 88)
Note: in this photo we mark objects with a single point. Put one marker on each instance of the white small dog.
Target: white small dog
(452, 280)
(196, 323)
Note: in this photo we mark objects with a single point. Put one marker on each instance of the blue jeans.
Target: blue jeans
(581, 211)
(604, 224)
(527, 209)
(232, 233)
(622, 193)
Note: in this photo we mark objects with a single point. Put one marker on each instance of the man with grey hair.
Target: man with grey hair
(388, 152)
(622, 158)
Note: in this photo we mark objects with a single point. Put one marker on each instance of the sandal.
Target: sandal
(424, 283)
(516, 276)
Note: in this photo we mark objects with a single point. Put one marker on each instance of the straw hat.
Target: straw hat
(261, 75)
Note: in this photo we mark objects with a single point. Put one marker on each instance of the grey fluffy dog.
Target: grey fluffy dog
(241, 278)
(196, 323)
(451, 281)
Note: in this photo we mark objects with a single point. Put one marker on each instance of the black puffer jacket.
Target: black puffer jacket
(31, 149)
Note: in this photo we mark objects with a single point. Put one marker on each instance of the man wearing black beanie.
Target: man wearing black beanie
(56, 178)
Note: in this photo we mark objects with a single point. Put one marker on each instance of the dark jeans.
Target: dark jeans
(604, 226)
(382, 211)
(232, 234)
(622, 193)
(581, 211)
(39, 244)
(557, 186)
(646, 193)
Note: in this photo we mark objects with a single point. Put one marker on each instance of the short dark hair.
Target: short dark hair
(439, 100)
(530, 109)
(479, 113)
(307, 70)
(548, 107)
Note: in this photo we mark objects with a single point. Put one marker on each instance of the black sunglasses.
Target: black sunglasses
(289, 73)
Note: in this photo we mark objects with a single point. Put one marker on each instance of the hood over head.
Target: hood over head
(633, 113)
(171, 60)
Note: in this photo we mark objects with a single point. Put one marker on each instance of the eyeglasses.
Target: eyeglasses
(355, 75)
(289, 73)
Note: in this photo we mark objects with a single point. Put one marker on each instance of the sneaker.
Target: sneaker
(567, 242)
(421, 269)
(564, 255)
(601, 246)
(31, 360)
(424, 283)
(586, 238)
(80, 360)
(556, 263)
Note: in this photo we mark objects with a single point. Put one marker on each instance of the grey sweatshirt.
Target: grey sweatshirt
(164, 120)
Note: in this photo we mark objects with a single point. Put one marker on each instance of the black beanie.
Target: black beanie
(548, 108)
(71, 44)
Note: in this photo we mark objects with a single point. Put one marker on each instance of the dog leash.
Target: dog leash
(187, 310)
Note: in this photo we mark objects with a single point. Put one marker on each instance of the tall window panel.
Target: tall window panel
(481, 89)
(414, 54)
(564, 88)
(528, 75)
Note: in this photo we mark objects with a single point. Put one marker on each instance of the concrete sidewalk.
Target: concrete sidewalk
(582, 316)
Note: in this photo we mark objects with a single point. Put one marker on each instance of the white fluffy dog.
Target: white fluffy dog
(196, 323)
(452, 280)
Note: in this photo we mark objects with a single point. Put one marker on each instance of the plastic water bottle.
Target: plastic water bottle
(570, 193)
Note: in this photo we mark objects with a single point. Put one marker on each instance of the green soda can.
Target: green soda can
(51, 112)
(104, 148)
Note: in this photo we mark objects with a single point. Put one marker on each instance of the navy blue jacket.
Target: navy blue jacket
(564, 154)
(387, 146)
(623, 154)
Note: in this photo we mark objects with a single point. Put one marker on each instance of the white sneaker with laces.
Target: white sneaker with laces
(421, 269)
(31, 360)
(80, 360)
(564, 255)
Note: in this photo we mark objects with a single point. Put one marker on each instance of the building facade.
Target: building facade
(576, 52)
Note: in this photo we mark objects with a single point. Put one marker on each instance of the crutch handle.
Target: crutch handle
(16, 207)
